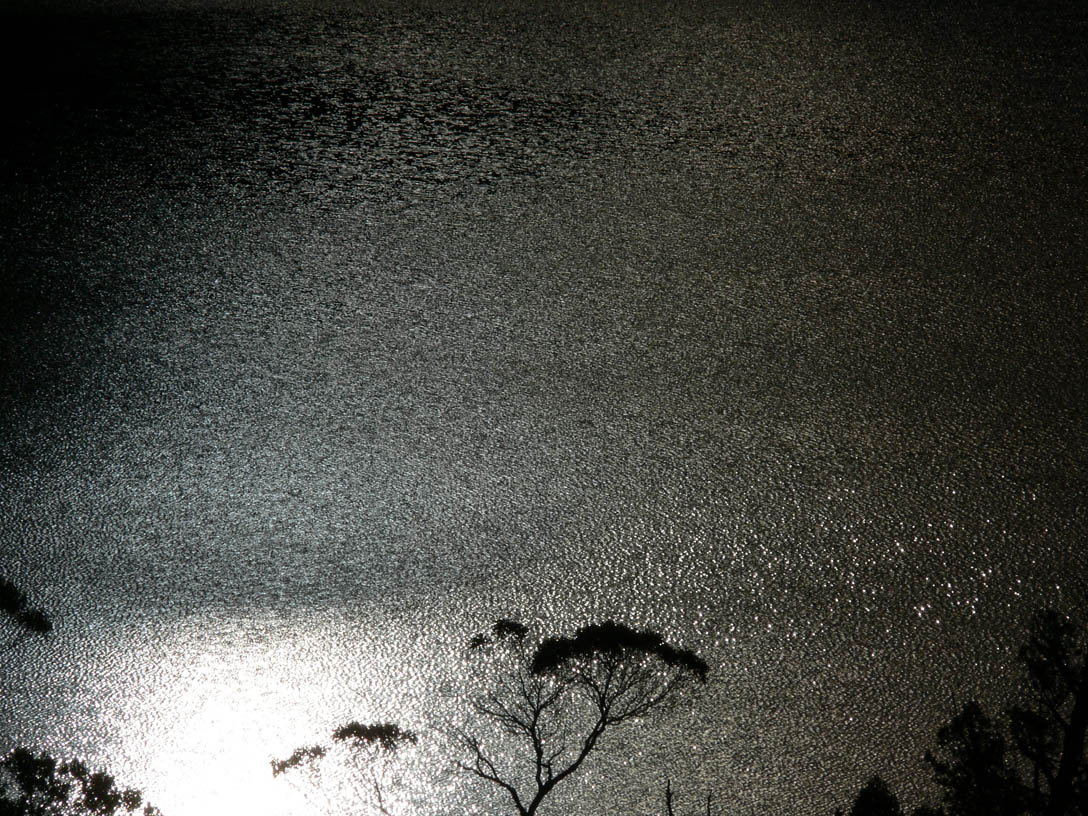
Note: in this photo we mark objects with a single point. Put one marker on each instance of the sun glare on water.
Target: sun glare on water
(215, 711)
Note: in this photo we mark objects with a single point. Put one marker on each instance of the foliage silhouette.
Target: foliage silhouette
(1046, 773)
(611, 641)
(1050, 730)
(387, 736)
(503, 629)
(970, 764)
(555, 700)
(300, 756)
(26, 619)
(876, 799)
(1032, 762)
(372, 748)
(39, 785)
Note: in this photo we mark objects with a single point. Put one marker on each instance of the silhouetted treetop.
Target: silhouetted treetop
(503, 629)
(1051, 730)
(1054, 656)
(971, 765)
(611, 639)
(557, 700)
(1034, 761)
(38, 785)
(300, 756)
(479, 641)
(12, 599)
(506, 628)
(367, 750)
(13, 603)
(388, 736)
(876, 799)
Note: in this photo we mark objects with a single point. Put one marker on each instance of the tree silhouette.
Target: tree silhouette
(39, 785)
(970, 764)
(1049, 730)
(1033, 762)
(20, 615)
(555, 700)
(876, 799)
(370, 749)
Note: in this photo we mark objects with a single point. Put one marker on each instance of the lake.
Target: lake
(335, 331)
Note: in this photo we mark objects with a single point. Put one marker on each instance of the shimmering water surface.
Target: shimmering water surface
(331, 333)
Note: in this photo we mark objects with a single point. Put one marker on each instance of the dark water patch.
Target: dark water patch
(272, 100)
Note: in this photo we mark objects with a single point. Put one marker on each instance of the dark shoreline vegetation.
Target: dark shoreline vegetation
(551, 699)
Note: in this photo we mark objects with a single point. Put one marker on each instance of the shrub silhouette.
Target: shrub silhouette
(1032, 762)
(876, 799)
(39, 785)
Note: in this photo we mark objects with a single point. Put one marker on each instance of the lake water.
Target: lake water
(333, 332)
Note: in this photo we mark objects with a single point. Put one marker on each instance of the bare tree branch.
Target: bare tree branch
(564, 695)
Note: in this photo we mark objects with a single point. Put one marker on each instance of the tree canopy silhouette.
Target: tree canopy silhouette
(557, 698)
(876, 799)
(370, 750)
(611, 641)
(27, 620)
(1034, 761)
(1047, 772)
(39, 785)
(970, 764)
(1049, 730)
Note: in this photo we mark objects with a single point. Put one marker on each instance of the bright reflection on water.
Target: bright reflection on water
(210, 704)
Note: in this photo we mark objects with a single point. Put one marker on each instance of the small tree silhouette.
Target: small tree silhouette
(1050, 730)
(26, 620)
(876, 799)
(557, 699)
(1047, 773)
(970, 764)
(38, 785)
(371, 750)
(1035, 761)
